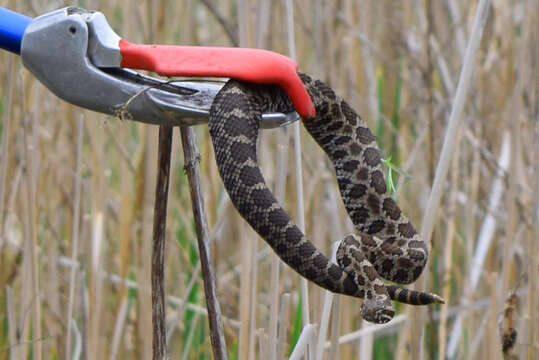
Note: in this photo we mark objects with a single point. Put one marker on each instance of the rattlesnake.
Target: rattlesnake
(386, 246)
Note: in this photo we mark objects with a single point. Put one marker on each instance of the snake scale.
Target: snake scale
(386, 246)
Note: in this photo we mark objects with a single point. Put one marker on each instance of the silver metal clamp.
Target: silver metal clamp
(74, 53)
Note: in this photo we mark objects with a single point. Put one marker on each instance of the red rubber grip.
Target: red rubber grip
(250, 65)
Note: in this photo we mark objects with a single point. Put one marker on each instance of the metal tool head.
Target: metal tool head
(75, 53)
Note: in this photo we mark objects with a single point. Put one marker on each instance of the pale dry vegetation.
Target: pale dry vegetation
(70, 176)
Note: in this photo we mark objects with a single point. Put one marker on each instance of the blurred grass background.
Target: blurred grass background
(398, 64)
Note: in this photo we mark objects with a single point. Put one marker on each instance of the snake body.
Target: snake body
(386, 244)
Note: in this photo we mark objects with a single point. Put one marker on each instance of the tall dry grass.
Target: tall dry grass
(77, 190)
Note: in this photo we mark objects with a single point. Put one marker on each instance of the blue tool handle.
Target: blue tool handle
(12, 26)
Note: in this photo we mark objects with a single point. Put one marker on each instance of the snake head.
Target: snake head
(376, 311)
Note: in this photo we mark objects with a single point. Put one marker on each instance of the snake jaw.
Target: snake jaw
(376, 311)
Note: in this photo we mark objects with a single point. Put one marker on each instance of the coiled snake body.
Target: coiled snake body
(386, 246)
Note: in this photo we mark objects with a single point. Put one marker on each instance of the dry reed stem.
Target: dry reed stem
(326, 312)
(263, 22)
(147, 192)
(335, 233)
(528, 55)
(176, 319)
(479, 333)
(447, 253)
(494, 346)
(533, 262)
(282, 343)
(450, 141)
(368, 330)
(298, 170)
(125, 238)
(472, 189)
(192, 158)
(457, 19)
(262, 344)
(334, 349)
(78, 339)
(280, 186)
(74, 230)
(96, 288)
(483, 243)
(509, 277)
(533, 251)
(190, 336)
(4, 153)
(533, 265)
(97, 239)
(119, 329)
(31, 216)
(366, 344)
(306, 337)
(246, 279)
(253, 297)
(172, 300)
(158, 248)
(12, 336)
(247, 240)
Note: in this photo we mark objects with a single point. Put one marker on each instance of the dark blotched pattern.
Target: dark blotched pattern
(387, 245)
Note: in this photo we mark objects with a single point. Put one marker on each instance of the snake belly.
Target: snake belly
(386, 246)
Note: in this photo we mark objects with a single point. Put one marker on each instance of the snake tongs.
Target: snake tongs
(76, 54)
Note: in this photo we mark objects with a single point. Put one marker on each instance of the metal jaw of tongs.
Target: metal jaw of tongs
(77, 55)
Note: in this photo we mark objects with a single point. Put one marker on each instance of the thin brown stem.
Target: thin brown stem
(158, 250)
(192, 161)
